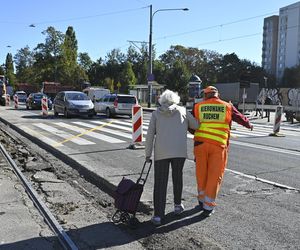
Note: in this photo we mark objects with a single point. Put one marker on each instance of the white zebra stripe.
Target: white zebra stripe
(106, 130)
(40, 136)
(89, 133)
(62, 134)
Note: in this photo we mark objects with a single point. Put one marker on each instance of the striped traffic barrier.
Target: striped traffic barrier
(277, 121)
(137, 127)
(44, 106)
(16, 101)
(7, 100)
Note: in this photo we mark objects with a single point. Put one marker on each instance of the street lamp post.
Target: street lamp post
(150, 77)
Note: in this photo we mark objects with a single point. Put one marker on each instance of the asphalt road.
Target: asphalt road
(251, 214)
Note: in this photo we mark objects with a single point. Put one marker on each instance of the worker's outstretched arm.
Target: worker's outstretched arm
(239, 118)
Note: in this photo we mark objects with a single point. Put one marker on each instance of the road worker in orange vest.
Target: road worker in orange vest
(211, 141)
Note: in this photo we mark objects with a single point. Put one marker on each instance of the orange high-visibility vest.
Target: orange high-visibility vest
(215, 120)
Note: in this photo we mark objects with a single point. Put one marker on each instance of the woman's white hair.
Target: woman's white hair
(169, 97)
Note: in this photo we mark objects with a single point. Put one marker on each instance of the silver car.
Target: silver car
(115, 104)
(72, 103)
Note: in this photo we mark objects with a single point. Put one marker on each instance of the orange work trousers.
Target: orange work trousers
(211, 161)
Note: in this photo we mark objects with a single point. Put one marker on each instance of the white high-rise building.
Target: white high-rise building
(288, 51)
(283, 52)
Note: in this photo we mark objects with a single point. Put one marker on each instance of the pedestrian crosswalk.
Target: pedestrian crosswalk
(88, 132)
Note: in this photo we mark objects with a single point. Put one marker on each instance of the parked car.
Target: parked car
(95, 93)
(22, 96)
(73, 103)
(115, 104)
(34, 101)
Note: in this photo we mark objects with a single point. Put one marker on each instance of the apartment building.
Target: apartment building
(269, 49)
(281, 40)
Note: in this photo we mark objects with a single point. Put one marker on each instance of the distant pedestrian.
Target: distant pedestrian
(211, 143)
(268, 101)
(167, 132)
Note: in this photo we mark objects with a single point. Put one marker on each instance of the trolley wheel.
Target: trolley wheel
(125, 217)
(133, 222)
(117, 216)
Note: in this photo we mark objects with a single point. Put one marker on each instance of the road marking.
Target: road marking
(110, 131)
(119, 127)
(129, 124)
(276, 184)
(119, 133)
(39, 136)
(262, 180)
(90, 132)
(64, 135)
(270, 148)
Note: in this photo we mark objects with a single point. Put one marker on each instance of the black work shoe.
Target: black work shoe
(200, 206)
(207, 213)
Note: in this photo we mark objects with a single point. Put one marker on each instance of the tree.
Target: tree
(47, 56)
(139, 61)
(127, 77)
(24, 61)
(230, 69)
(9, 69)
(114, 63)
(2, 71)
(85, 61)
(178, 77)
(291, 77)
(109, 83)
(69, 65)
(97, 73)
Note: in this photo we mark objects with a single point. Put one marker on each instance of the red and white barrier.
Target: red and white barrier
(7, 100)
(277, 121)
(44, 106)
(16, 101)
(137, 124)
(137, 127)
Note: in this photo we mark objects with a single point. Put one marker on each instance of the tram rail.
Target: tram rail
(65, 241)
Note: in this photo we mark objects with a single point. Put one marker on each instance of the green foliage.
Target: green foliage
(85, 62)
(69, 65)
(291, 77)
(127, 77)
(9, 69)
(24, 65)
(2, 71)
(109, 83)
(48, 56)
(57, 59)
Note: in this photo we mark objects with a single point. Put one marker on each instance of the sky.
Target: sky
(222, 26)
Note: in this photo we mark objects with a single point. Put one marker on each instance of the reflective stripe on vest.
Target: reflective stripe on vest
(212, 137)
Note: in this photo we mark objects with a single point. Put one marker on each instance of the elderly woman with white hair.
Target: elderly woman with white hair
(167, 132)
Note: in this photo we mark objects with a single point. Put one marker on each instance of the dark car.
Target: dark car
(34, 101)
(73, 103)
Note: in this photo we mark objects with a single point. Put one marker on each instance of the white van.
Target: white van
(95, 93)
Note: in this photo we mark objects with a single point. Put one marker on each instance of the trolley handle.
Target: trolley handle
(146, 172)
